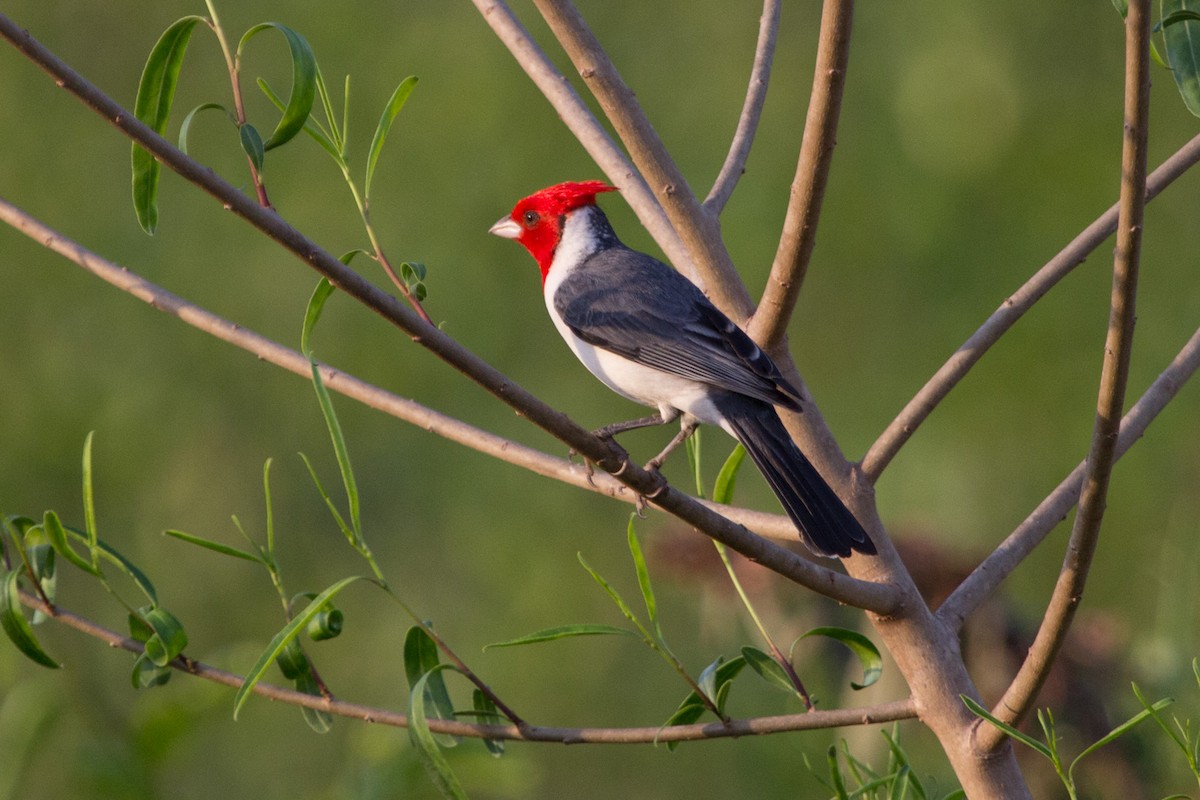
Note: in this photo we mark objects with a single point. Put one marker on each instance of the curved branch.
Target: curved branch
(584, 126)
(1114, 376)
(812, 173)
(756, 94)
(836, 718)
(606, 454)
(699, 230)
(901, 429)
(775, 526)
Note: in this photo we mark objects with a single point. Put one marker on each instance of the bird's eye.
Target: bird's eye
(531, 218)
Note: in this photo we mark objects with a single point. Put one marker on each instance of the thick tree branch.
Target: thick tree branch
(586, 129)
(756, 94)
(799, 235)
(836, 718)
(992, 571)
(775, 526)
(606, 454)
(901, 429)
(699, 230)
(1114, 376)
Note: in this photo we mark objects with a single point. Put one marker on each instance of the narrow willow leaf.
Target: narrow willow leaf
(320, 721)
(487, 714)
(612, 593)
(169, 639)
(1119, 731)
(426, 743)
(114, 557)
(727, 477)
(708, 679)
(252, 145)
(40, 556)
(156, 92)
(185, 127)
(692, 446)
(304, 82)
(1182, 38)
(1023, 738)
(57, 535)
(312, 313)
(421, 662)
(768, 669)
(643, 576)
(208, 544)
(341, 523)
(89, 500)
(326, 625)
(293, 662)
(146, 674)
(342, 454)
(861, 646)
(311, 126)
(16, 627)
(563, 632)
(397, 101)
(693, 707)
(282, 638)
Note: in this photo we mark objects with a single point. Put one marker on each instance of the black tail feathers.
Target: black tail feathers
(826, 526)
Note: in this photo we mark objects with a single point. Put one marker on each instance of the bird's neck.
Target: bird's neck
(585, 231)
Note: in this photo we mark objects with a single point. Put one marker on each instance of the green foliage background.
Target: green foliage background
(976, 140)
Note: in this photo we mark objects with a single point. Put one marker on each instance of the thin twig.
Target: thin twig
(837, 718)
(812, 173)
(586, 129)
(756, 94)
(608, 455)
(1068, 590)
(918, 409)
(699, 230)
(992, 571)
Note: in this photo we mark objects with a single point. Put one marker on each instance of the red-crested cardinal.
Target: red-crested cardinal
(651, 335)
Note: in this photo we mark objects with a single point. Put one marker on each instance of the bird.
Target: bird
(652, 336)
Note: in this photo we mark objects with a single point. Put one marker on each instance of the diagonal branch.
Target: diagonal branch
(992, 571)
(756, 94)
(586, 128)
(774, 526)
(834, 718)
(1068, 591)
(901, 429)
(606, 454)
(812, 173)
(699, 230)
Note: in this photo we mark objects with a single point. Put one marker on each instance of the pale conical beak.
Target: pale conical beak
(507, 228)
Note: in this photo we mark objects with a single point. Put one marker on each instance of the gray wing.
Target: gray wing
(636, 306)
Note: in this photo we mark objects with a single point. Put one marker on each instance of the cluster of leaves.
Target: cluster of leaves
(1179, 25)
(851, 778)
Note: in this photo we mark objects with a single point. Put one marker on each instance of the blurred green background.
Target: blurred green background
(976, 141)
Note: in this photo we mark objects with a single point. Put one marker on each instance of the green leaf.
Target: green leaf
(282, 638)
(320, 721)
(692, 446)
(168, 638)
(643, 576)
(413, 275)
(1181, 35)
(89, 500)
(424, 740)
(715, 681)
(185, 127)
(311, 127)
(304, 82)
(312, 313)
(768, 669)
(861, 646)
(1024, 739)
(110, 554)
(399, 97)
(57, 535)
(293, 662)
(1120, 730)
(421, 662)
(487, 714)
(626, 611)
(727, 477)
(563, 632)
(1122, 7)
(252, 145)
(146, 674)
(216, 547)
(326, 625)
(156, 92)
(16, 627)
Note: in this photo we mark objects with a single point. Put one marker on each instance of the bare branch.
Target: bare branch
(869, 715)
(585, 127)
(606, 454)
(756, 94)
(1114, 376)
(699, 230)
(992, 571)
(901, 429)
(812, 173)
